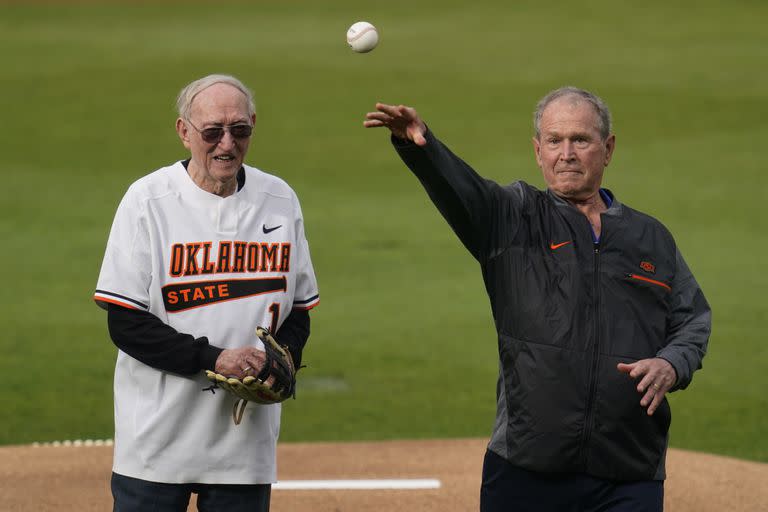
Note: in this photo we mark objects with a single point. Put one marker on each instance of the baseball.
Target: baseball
(362, 37)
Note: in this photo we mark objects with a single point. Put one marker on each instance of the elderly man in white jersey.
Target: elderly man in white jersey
(201, 252)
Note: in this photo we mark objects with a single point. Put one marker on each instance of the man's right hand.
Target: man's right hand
(240, 362)
(402, 121)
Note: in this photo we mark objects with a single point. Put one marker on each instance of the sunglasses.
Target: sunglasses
(214, 134)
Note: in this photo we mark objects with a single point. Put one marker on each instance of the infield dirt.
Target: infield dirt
(70, 478)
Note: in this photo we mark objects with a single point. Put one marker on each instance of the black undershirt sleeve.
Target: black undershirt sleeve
(145, 337)
(294, 334)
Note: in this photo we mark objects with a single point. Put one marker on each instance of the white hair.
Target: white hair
(188, 93)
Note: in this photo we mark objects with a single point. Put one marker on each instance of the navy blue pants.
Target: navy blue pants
(507, 488)
(134, 495)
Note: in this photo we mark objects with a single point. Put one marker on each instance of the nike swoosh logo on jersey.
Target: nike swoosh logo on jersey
(266, 230)
(554, 246)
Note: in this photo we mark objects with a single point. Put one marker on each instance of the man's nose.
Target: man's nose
(227, 141)
(566, 150)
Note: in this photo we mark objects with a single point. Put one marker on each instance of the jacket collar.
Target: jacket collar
(615, 209)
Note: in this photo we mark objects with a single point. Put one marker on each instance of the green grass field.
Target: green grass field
(403, 343)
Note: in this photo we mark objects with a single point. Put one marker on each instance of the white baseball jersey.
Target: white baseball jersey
(207, 266)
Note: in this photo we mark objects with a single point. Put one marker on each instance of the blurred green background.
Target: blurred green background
(403, 344)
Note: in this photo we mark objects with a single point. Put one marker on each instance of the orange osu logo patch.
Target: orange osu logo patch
(648, 267)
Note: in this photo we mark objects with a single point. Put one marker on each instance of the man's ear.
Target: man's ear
(610, 145)
(183, 131)
(537, 150)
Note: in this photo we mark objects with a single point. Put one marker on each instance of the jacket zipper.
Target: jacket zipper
(649, 280)
(595, 361)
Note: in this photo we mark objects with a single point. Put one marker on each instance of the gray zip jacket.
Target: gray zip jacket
(567, 310)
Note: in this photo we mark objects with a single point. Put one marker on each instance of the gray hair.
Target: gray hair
(188, 93)
(601, 109)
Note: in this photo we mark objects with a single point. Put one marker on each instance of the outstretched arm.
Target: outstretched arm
(471, 204)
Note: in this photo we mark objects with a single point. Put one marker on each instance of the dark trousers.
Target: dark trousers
(134, 495)
(507, 488)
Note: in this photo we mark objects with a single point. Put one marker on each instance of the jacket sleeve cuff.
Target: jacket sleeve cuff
(208, 355)
(681, 371)
(405, 143)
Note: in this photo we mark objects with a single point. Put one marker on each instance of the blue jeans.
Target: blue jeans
(507, 488)
(134, 495)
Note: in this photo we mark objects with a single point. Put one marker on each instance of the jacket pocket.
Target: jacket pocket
(545, 390)
(626, 443)
(649, 281)
(634, 315)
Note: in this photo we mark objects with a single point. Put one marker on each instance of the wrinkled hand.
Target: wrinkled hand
(241, 362)
(402, 121)
(656, 375)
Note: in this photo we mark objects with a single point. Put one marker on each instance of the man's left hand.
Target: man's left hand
(656, 375)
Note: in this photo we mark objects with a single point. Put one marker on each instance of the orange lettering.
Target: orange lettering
(177, 259)
(208, 266)
(225, 249)
(238, 262)
(192, 268)
(285, 257)
(253, 257)
(268, 257)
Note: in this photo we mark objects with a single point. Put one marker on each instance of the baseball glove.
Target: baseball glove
(275, 382)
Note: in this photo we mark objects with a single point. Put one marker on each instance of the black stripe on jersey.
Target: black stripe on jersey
(104, 292)
(306, 301)
(193, 294)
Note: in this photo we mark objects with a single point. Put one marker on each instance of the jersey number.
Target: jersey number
(275, 310)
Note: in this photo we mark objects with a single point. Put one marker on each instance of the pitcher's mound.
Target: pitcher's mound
(68, 478)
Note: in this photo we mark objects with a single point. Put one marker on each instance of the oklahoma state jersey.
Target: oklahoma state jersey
(206, 266)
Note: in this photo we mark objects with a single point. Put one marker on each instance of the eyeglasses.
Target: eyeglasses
(214, 134)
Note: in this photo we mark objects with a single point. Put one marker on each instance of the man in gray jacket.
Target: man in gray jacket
(597, 314)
